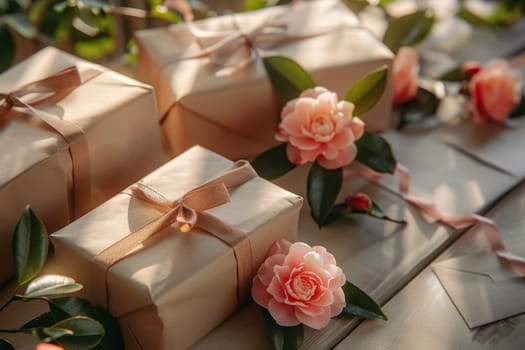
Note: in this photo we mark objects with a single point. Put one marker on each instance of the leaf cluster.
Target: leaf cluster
(71, 322)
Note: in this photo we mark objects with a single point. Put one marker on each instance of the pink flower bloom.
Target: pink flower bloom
(300, 284)
(319, 127)
(48, 346)
(495, 91)
(405, 75)
(359, 201)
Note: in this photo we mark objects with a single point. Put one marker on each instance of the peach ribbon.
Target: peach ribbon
(433, 214)
(186, 213)
(221, 45)
(45, 91)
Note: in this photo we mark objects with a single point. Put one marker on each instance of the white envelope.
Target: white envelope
(498, 146)
(482, 287)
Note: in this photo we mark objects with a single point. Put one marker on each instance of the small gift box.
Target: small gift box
(211, 85)
(171, 270)
(72, 135)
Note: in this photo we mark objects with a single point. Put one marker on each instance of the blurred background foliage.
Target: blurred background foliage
(102, 29)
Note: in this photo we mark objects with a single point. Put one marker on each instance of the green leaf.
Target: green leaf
(50, 334)
(356, 5)
(44, 320)
(30, 244)
(20, 23)
(6, 345)
(273, 163)
(7, 53)
(408, 30)
(50, 285)
(95, 48)
(375, 152)
(288, 78)
(62, 308)
(283, 338)
(87, 333)
(415, 111)
(454, 74)
(474, 19)
(251, 5)
(519, 111)
(323, 187)
(367, 91)
(360, 304)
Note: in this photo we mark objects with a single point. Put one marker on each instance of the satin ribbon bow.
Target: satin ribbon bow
(188, 212)
(19, 104)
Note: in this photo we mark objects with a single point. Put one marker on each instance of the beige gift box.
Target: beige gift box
(235, 113)
(118, 118)
(182, 285)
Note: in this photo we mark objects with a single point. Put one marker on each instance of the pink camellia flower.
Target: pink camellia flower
(405, 75)
(300, 284)
(495, 91)
(48, 346)
(359, 202)
(319, 127)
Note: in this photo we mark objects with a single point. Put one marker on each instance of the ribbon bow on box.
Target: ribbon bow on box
(18, 104)
(188, 212)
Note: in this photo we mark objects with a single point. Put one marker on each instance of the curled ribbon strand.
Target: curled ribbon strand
(432, 213)
(47, 91)
(188, 212)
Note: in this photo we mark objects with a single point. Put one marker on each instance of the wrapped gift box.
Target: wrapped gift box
(179, 286)
(118, 119)
(234, 111)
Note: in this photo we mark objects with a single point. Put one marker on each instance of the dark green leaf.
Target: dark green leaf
(3, 7)
(44, 320)
(455, 74)
(273, 163)
(375, 152)
(283, 338)
(49, 285)
(6, 345)
(30, 246)
(377, 213)
(87, 333)
(7, 53)
(415, 111)
(360, 304)
(288, 78)
(20, 23)
(113, 338)
(323, 187)
(365, 93)
(408, 30)
(519, 111)
(66, 307)
(356, 5)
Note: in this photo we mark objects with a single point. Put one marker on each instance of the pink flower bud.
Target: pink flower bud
(471, 68)
(360, 202)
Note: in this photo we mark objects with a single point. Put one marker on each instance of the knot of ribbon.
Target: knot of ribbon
(24, 103)
(433, 214)
(188, 212)
(225, 47)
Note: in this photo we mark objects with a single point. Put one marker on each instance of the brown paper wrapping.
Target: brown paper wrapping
(118, 117)
(182, 285)
(236, 114)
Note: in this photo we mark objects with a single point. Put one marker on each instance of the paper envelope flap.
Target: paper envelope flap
(485, 264)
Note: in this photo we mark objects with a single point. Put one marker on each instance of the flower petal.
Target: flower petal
(283, 314)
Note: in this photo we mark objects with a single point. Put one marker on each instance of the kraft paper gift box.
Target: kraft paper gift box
(233, 110)
(180, 285)
(115, 140)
